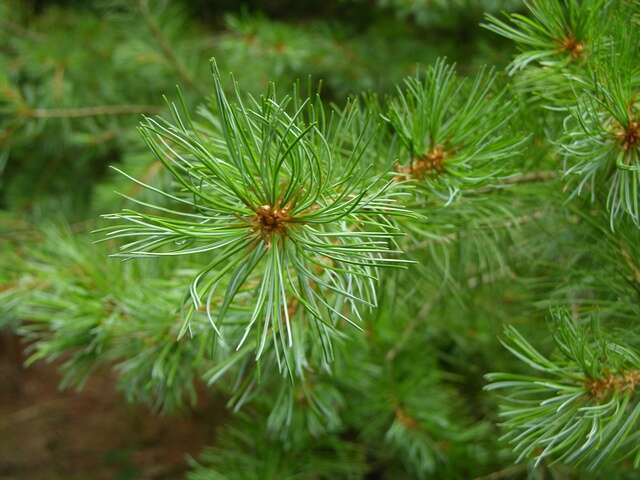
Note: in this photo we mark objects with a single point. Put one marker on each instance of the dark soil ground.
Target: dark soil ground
(48, 434)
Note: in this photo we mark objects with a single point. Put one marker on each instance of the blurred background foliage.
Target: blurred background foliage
(76, 76)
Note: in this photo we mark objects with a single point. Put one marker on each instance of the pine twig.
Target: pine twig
(531, 177)
(504, 473)
(101, 110)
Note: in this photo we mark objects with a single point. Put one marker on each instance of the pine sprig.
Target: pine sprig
(454, 132)
(558, 32)
(84, 313)
(601, 142)
(278, 197)
(581, 408)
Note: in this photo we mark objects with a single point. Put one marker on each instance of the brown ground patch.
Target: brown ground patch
(46, 434)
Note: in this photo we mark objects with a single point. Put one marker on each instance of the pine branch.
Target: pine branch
(558, 33)
(264, 228)
(530, 177)
(285, 205)
(19, 30)
(507, 472)
(601, 141)
(454, 132)
(95, 111)
(584, 406)
(86, 314)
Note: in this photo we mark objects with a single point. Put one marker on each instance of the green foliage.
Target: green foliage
(85, 312)
(407, 410)
(582, 407)
(335, 263)
(587, 66)
(243, 455)
(433, 119)
(601, 144)
(66, 111)
(449, 12)
(558, 33)
(288, 206)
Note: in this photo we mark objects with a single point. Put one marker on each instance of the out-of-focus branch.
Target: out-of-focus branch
(91, 111)
(164, 45)
(531, 177)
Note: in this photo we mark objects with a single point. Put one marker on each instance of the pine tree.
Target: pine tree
(384, 274)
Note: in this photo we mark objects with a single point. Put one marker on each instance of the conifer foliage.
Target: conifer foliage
(388, 262)
(296, 222)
